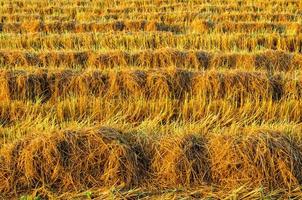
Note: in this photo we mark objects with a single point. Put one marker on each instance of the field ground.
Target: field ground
(150, 99)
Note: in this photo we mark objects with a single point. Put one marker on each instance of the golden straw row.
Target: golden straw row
(132, 8)
(237, 86)
(151, 40)
(165, 17)
(116, 158)
(270, 61)
(200, 26)
(146, 2)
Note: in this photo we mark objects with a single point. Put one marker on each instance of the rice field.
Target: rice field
(150, 99)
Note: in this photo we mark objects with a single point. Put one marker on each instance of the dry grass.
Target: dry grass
(150, 99)
(111, 158)
(264, 158)
(49, 85)
(181, 161)
(68, 161)
(273, 61)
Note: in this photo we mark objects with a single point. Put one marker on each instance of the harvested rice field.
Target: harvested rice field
(150, 99)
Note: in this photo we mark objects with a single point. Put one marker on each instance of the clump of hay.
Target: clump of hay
(181, 161)
(236, 85)
(232, 61)
(4, 92)
(159, 26)
(274, 61)
(131, 83)
(264, 158)
(158, 85)
(181, 83)
(22, 85)
(109, 59)
(203, 59)
(297, 60)
(202, 26)
(69, 160)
